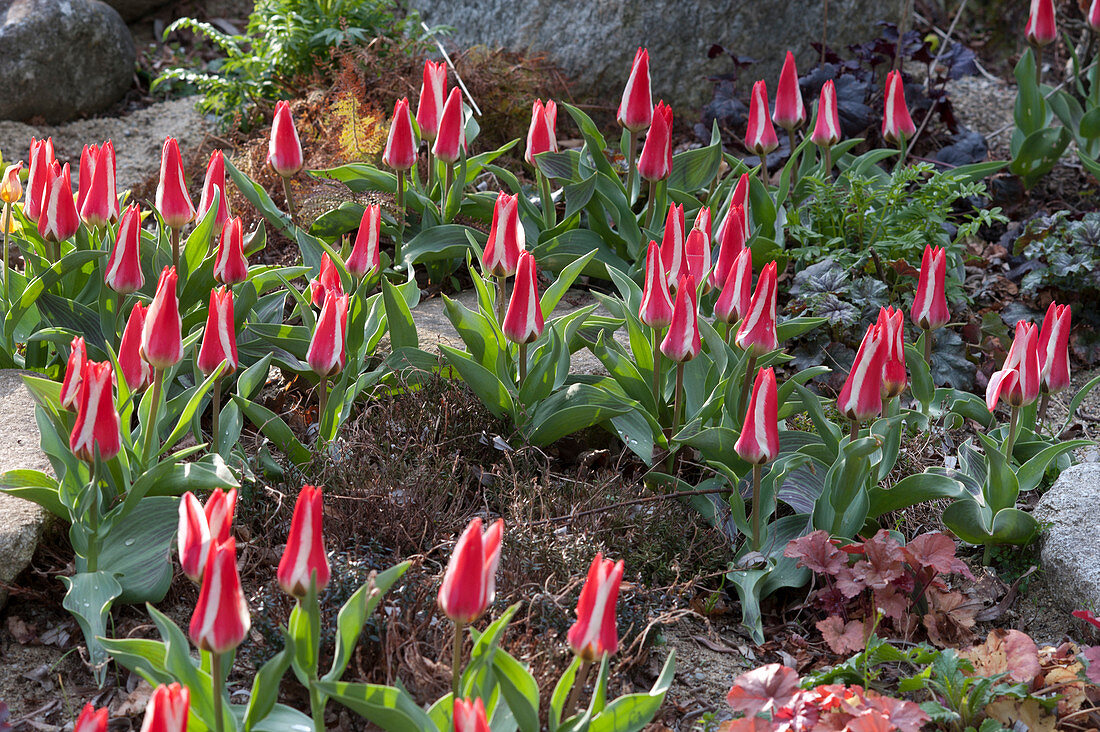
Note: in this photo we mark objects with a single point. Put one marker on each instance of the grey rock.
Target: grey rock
(594, 40)
(21, 522)
(63, 58)
(131, 10)
(1071, 542)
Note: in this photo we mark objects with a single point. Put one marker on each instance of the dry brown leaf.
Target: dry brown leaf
(22, 631)
(1028, 711)
(1006, 651)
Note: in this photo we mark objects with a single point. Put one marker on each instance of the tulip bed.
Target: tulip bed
(153, 352)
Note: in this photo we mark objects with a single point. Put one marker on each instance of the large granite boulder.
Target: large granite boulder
(63, 58)
(594, 40)
(131, 10)
(1071, 542)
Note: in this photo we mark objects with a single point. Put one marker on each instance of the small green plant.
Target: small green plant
(1067, 253)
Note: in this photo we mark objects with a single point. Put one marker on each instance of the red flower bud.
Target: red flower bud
(1019, 379)
(91, 720)
(542, 135)
(896, 122)
(451, 141)
(137, 372)
(1093, 16)
(656, 307)
(400, 152)
(192, 537)
(672, 245)
(220, 507)
(757, 332)
(365, 258)
(161, 339)
(636, 108)
(760, 135)
(1041, 29)
(735, 300)
(123, 273)
(827, 127)
(100, 205)
(88, 157)
(759, 440)
(656, 160)
(284, 150)
(861, 397)
(304, 556)
(789, 113)
(731, 240)
(97, 425)
(172, 200)
(59, 219)
(929, 309)
(506, 238)
(1054, 348)
(433, 92)
(327, 279)
(595, 632)
(523, 322)
(891, 325)
(74, 373)
(470, 716)
(230, 264)
(167, 709)
(740, 198)
(697, 254)
(215, 181)
(682, 342)
(469, 584)
(41, 169)
(219, 340)
(220, 621)
(327, 352)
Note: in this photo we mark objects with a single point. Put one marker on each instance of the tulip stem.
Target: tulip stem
(217, 682)
(854, 434)
(93, 515)
(657, 373)
(215, 417)
(5, 223)
(632, 168)
(928, 348)
(1038, 64)
(154, 407)
(549, 215)
(400, 218)
(447, 170)
(651, 203)
(903, 150)
(677, 405)
(174, 235)
(322, 403)
(502, 293)
(430, 163)
(1043, 410)
(1013, 425)
(793, 161)
(289, 199)
(579, 683)
(828, 161)
(746, 388)
(756, 471)
(522, 363)
(456, 661)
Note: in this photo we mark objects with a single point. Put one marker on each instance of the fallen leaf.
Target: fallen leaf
(1028, 711)
(1006, 651)
(22, 631)
(135, 702)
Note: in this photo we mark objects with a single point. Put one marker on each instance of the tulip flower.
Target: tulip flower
(161, 342)
(542, 137)
(757, 333)
(366, 259)
(759, 440)
(97, 429)
(697, 256)
(595, 633)
(731, 242)
(173, 201)
(507, 239)
(827, 126)
(523, 323)
(1041, 29)
(469, 583)
(219, 346)
(11, 190)
(790, 112)
(740, 198)
(897, 125)
(656, 161)
(88, 157)
(59, 219)
(735, 298)
(304, 566)
(861, 397)
(891, 324)
(100, 204)
(655, 309)
(432, 94)
(167, 709)
(91, 720)
(220, 509)
(400, 154)
(230, 264)
(1093, 16)
(682, 343)
(451, 142)
(74, 374)
(760, 135)
(41, 167)
(220, 621)
(1019, 379)
(215, 181)
(192, 537)
(123, 272)
(327, 279)
(702, 221)
(1054, 349)
(469, 716)
(929, 309)
(327, 352)
(135, 370)
(673, 258)
(636, 111)
(284, 150)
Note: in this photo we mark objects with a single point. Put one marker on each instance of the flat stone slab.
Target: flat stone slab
(21, 521)
(1071, 542)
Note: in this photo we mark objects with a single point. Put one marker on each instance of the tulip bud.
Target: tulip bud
(327, 279)
(41, 170)
(506, 238)
(740, 198)
(595, 632)
(757, 332)
(192, 537)
(161, 339)
(682, 342)
(789, 113)
(759, 440)
(760, 135)
(100, 205)
(731, 241)
(636, 108)
(135, 370)
(74, 373)
(1040, 29)
(451, 141)
(735, 300)
(230, 264)
(656, 161)
(400, 152)
(827, 127)
(861, 397)
(327, 350)
(697, 255)
(123, 273)
(542, 135)
(172, 200)
(1018, 380)
(304, 557)
(167, 709)
(88, 156)
(470, 716)
(91, 720)
(523, 322)
(896, 122)
(220, 621)
(702, 221)
(215, 181)
(656, 308)
(469, 584)
(59, 219)
(219, 340)
(672, 245)
(891, 325)
(365, 258)
(284, 150)
(11, 190)
(220, 507)
(1093, 16)
(432, 94)
(97, 427)
(1054, 348)
(929, 309)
